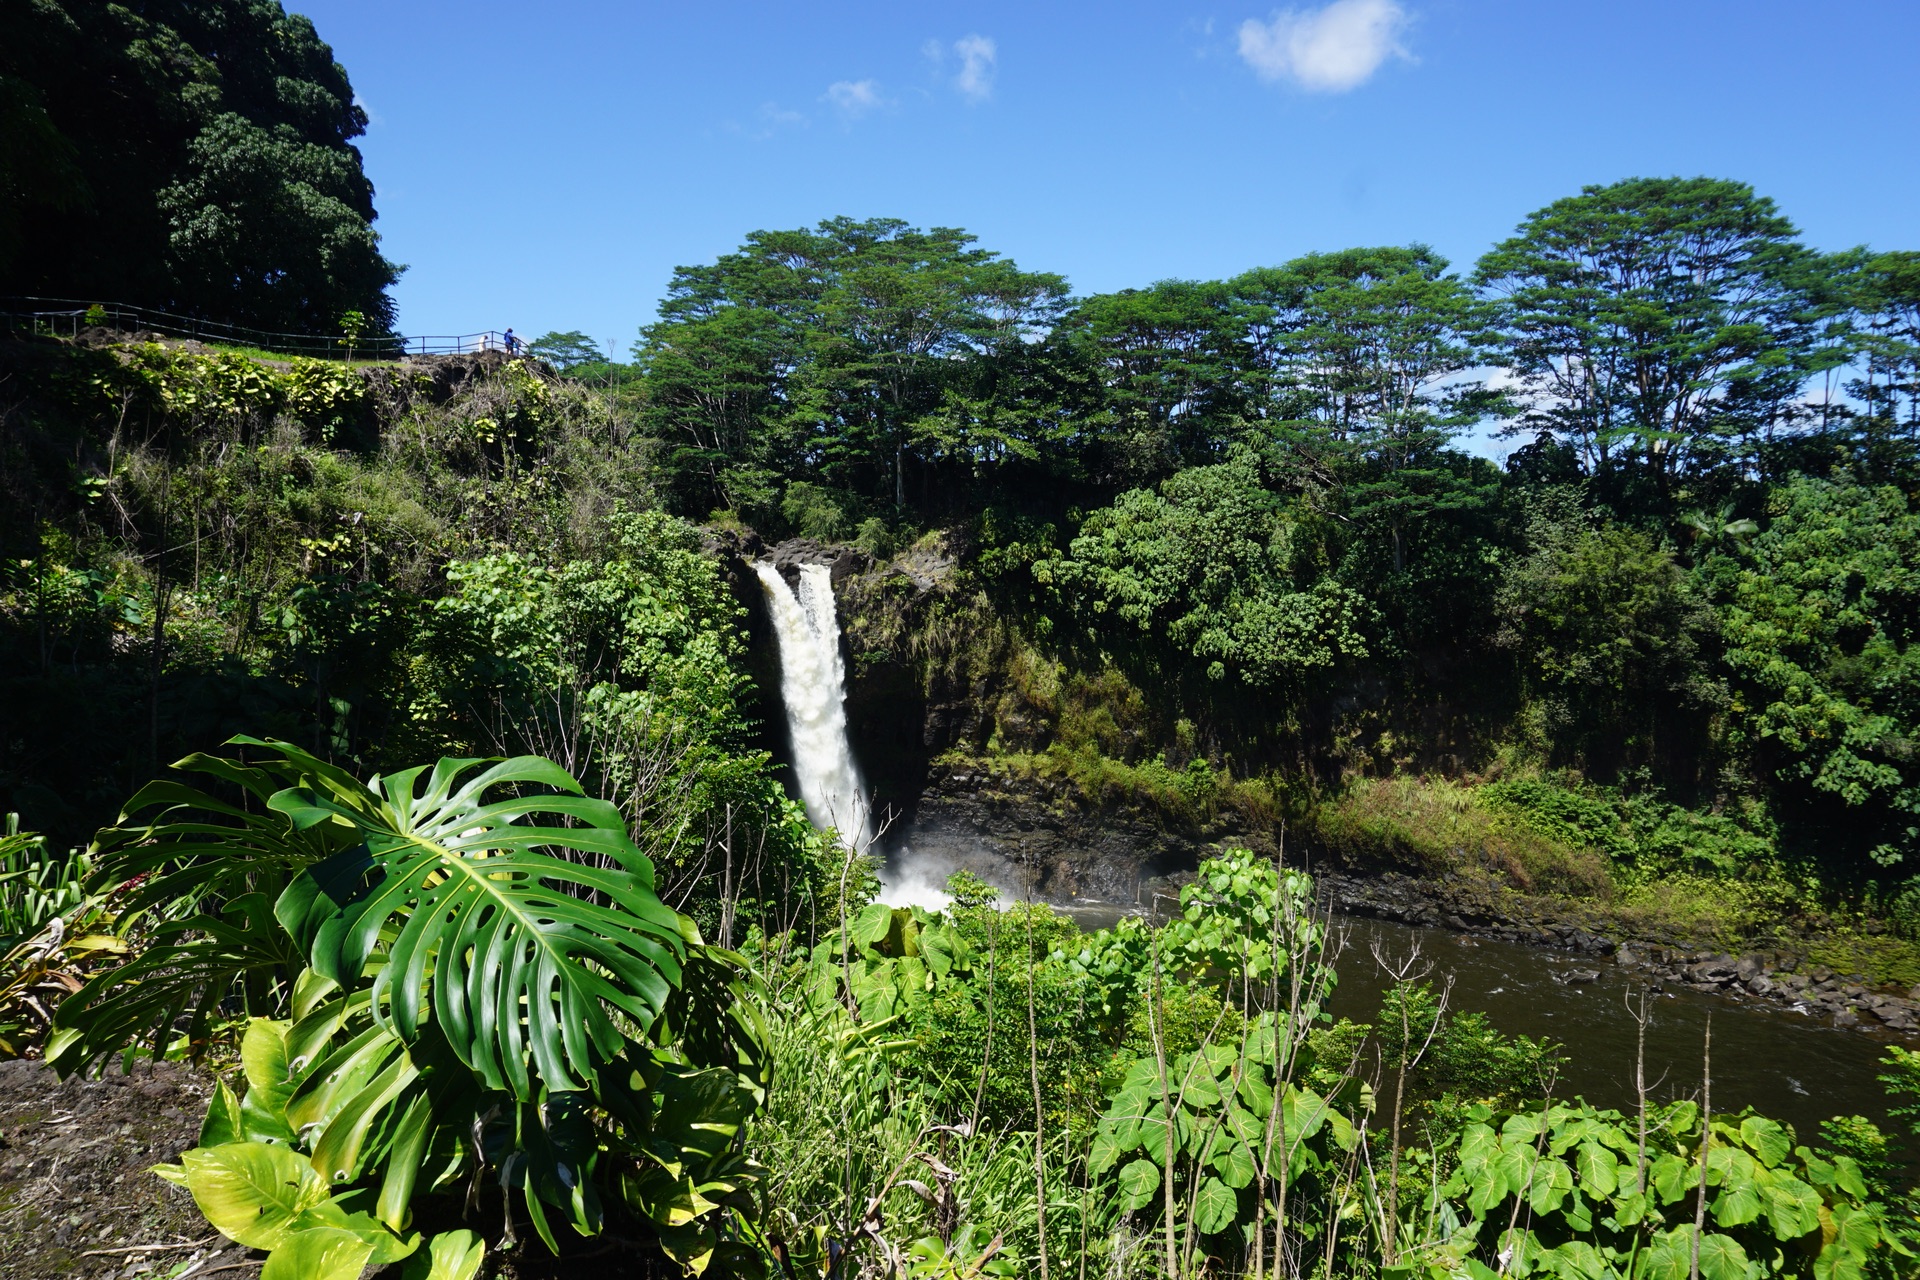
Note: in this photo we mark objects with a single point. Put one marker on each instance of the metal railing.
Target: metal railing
(70, 317)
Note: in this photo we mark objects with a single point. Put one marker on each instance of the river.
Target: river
(1784, 1064)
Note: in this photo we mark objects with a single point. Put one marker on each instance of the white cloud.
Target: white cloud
(1326, 50)
(977, 56)
(854, 98)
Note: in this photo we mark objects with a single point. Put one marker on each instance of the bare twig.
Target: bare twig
(152, 1248)
(1706, 1146)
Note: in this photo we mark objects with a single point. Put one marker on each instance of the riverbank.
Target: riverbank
(1036, 827)
(1781, 976)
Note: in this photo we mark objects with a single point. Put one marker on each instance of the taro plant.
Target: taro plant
(1572, 1191)
(459, 979)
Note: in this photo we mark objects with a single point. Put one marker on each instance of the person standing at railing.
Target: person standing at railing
(513, 344)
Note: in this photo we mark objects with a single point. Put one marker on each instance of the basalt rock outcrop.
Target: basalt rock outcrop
(1041, 835)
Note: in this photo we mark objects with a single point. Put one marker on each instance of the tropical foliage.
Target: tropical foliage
(449, 972)
(1199, 551)
(217, 178)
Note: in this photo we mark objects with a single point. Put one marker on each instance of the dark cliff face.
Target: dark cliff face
(842, 562)
(1041, 836)
(735, 553)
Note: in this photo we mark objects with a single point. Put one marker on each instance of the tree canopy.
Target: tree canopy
(189, 156)
(1663, 326)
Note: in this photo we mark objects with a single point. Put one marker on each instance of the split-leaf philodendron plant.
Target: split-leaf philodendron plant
(456, 976)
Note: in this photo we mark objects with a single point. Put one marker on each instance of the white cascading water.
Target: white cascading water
(813, 686)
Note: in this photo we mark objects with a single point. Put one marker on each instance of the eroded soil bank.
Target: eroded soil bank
(76, 1197)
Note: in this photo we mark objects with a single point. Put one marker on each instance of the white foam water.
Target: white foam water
(813, 685)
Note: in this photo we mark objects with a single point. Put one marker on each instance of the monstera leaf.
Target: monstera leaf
(480, 978)
(511, 911)
(208, 865)
(521, 958)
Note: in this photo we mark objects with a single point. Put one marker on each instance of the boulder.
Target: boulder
(1713, 969)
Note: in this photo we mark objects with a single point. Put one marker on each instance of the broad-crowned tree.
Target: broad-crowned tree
(1663, 326)
(190, 156)
(566, 351)
(822, 353)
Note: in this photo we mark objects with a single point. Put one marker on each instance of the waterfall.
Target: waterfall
(813, 686)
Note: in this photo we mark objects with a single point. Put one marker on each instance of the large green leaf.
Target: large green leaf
(1139, 1183)
(253, 1193)
(1668, 1256)
(1128, 1113)
(1737, 1205)
(1793, 1207)
(222, 1122)
(1578, 1260)
(210, 865)
(270, 1082)
(522, 958)
(452, 1255)
(1548, 1183)
(1722, 1258)
(1597, 1168)
(174, 987)
(199, 843)
(318, 1253)
(1671, 1177)
(1234, 1163)
(1768, 1138)
(1104, 1153)
(1214, 1206)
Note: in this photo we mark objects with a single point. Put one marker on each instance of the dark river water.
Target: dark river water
(1784, 1064)
(1787, 1065)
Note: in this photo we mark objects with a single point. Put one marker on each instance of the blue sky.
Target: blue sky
(546, 166)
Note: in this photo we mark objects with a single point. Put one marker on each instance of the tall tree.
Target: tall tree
(1887, 296)
(566, 351)
(1367, 363)
(830, 354)
(1170, 369)
(194, 155)
(1663, 326)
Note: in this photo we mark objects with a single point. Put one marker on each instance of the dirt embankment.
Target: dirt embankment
(76, 1197)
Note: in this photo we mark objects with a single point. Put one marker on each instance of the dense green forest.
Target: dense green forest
(1249, 497)
(1202, 546)
(189, 155)
(1228, 554)
(1246, 501)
